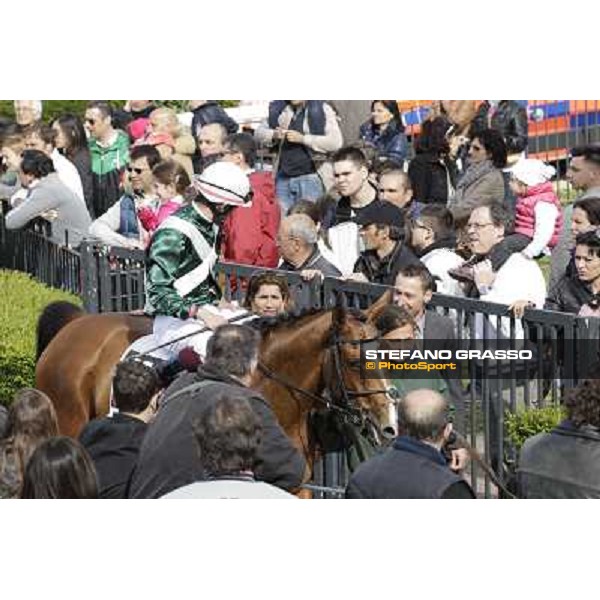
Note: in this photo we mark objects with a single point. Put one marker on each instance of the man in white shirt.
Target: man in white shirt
(43, 137)
(519, 278)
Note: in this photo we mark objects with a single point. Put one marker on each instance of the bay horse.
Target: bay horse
(300, 357)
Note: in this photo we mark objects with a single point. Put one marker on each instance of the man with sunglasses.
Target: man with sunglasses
(109, 150)
(120, 225)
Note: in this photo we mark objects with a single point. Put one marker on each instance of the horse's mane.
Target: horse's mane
(267, 324)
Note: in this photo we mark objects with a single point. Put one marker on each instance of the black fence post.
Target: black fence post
(89, 277)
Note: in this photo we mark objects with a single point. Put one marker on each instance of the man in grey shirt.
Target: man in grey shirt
(49, 198)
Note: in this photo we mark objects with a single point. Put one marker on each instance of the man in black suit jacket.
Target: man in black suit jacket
(413, 289)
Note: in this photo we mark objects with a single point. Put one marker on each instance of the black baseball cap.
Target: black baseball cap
(380, 212)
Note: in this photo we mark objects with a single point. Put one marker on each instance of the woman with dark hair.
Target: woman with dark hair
(579, 292)
(49, 198)
(432, 172)
(71, 142)
(585, 216)
(482, 182)
(31, 420)
(268, 295)
(385, 131)
(60, 468)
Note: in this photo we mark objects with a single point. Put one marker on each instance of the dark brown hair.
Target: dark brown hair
(257, 281)
(169, 172)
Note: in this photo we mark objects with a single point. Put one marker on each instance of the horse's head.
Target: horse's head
(371, 400)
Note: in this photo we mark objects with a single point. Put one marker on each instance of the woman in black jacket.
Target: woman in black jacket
(71, 142)
(432, 173)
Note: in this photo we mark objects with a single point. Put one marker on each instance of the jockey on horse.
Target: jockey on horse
(180, 286)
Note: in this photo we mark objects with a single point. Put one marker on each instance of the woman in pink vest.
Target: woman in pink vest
(538, 217)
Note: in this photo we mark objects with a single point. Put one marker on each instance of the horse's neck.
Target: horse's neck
(297, 353)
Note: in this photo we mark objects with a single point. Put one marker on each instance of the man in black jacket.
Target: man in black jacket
(414, 467)
(382, 230)
(169, 458)
(565, 463)
(113, 443)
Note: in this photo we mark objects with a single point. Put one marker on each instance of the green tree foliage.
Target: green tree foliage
(23, 300)
(54, 108)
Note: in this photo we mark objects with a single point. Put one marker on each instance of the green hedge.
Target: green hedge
(54, 108)
(529, 422)
(22, 300)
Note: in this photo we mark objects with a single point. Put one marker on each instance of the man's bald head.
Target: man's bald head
(423, 415)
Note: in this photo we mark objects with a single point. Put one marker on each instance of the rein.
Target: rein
(487, 469)
(187, 335)
(355, 415)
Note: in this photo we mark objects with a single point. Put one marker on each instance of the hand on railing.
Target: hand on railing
(518, 307)
(310, 274)
(356, 277)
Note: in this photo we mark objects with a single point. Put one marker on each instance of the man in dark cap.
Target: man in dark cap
(382, 231)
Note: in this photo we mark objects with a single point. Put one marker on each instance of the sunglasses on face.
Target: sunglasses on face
(135, 170)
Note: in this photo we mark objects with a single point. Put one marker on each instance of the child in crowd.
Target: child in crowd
(538, 218)
(171, 181)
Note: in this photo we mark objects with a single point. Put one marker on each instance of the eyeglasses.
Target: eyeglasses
(135, 170)
(417, 225)
(478, 226)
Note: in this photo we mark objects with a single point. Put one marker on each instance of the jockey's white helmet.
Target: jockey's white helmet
(224, 183)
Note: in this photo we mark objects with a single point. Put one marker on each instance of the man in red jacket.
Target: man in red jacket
(249, 235)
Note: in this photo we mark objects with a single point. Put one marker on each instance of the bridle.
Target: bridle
(348, 398)
(341, 399)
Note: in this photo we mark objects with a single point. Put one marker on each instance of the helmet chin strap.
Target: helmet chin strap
(221, 213)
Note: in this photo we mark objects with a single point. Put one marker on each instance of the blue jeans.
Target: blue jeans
(291, 189)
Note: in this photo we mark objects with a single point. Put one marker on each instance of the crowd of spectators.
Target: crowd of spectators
(466, 214)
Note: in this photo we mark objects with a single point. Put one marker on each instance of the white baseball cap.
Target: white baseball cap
(224, 183)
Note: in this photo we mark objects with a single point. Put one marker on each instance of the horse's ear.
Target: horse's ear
(377, 307)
